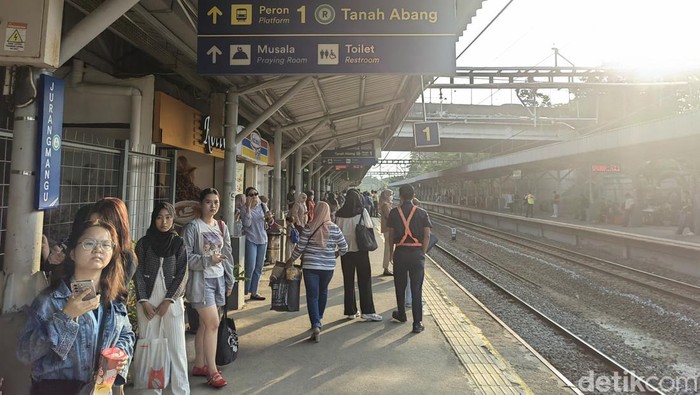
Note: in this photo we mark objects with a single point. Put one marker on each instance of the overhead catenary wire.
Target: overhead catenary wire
(484, 29)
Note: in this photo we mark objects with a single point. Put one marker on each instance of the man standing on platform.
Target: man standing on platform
(291, 197)
(627, 207)
(555, 204)
(529, 204)
(409, 230)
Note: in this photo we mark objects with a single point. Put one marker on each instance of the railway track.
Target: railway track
(591, 350)
(676, 289)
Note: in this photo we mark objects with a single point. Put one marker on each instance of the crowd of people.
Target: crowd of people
(84, 309)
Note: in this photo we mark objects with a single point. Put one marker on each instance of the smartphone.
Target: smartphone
(79, 286)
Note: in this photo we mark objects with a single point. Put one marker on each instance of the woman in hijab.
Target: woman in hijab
(160, 281)
(321, 242)
(299, 212)
(356, 261)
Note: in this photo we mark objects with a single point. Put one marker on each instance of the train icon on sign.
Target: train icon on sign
(241, 14)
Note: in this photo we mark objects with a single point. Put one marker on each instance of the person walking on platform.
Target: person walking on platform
(385, 200)
(310, 204)
(555, 204)
(687, 219)
(332, 204)
(627, 207)
(375, 204)
(356, 261)
(210, 265)
(529, 205)
(291, 199)
(160, 281)
(410, 233)
(299, 213)
(321, 243)
(254, 216)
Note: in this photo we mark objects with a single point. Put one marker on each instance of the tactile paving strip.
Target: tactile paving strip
(485, 366)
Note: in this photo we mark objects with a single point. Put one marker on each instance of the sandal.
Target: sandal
(216, 380)
(200, 371)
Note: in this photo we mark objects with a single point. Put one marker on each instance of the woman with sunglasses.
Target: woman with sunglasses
(61, 336)
(254, 216)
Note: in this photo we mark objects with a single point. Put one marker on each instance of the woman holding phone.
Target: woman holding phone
(160, 285)
(59, 320)
(254, 216)
(210, 264)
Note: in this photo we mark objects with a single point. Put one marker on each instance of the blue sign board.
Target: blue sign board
(348, 153)
(327, 18)
(48, 177)
(349, 161)
(426, 134)
(313, 37)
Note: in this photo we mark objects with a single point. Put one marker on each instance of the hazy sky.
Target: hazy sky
(628, 33)
(654, 37)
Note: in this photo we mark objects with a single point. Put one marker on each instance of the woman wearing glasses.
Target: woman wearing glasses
(160, 285)
(61, 337)
(113, 210)
(254, 216)
(210, 264)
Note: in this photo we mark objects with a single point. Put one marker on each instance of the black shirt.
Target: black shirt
(418, 223)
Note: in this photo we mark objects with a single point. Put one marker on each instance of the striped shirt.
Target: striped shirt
(316, 257)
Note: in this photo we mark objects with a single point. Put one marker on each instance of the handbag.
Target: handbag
(226, 341)
(152, 359)
(365, 236)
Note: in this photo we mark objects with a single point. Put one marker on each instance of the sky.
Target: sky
(651, 37)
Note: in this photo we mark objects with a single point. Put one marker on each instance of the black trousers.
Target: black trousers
(409, 260)
(351, 263)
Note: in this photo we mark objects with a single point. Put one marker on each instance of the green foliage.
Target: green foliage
(531, 98)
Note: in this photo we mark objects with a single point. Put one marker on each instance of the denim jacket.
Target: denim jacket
(60, 348)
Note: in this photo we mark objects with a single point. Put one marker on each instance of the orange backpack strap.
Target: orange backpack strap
(407, 230)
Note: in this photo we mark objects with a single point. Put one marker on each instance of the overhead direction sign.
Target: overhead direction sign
(426, 134)
(349, 161)
(311, 36)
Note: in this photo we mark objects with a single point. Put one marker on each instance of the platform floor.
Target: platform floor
(452, 355)
(658, 231)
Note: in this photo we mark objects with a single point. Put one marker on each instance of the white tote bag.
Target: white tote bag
(152, 358)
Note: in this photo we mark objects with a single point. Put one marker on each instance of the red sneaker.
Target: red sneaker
(216, 380)
(200, 371)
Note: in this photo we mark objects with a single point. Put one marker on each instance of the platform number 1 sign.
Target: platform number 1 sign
(426, 134)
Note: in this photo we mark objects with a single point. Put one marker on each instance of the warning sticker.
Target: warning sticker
(15, 36)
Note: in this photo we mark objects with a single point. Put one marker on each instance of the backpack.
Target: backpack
(293, 235)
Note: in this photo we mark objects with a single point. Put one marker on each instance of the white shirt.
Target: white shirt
(347, 227)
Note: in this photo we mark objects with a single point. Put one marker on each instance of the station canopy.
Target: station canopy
(344, 109)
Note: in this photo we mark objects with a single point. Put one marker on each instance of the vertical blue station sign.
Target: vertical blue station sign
(326, 37)
(48, 178)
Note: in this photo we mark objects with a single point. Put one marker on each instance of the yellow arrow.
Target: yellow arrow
(213, 13)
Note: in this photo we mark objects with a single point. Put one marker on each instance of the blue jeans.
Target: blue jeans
(316, 283)
(254, 259)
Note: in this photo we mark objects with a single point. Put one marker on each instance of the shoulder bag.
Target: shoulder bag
(365, 236)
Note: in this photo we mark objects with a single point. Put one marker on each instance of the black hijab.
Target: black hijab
(164, 244)
(352, 206)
